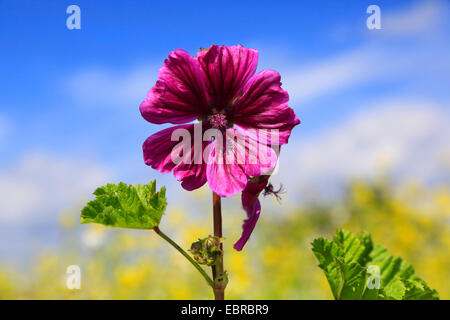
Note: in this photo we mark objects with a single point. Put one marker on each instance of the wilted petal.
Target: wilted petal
(180, 95)
(264, 106)
(227, 70)
(252, 207)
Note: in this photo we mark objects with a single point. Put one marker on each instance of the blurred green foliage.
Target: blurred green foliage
(358, 269)
(411, 221)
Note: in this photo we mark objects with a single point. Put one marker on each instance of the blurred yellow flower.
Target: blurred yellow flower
(277, 263)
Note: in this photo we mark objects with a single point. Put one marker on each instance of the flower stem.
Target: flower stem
(217, 269)
(186, 255)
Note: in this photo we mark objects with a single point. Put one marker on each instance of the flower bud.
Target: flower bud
(207, 250)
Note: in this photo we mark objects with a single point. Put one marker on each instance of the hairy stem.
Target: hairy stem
(186, 255)
(217, 269)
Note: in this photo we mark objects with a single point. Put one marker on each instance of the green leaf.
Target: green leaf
(417, 289)
(353, 283)
(357, 269)
(343, 262)
(126, 206)
(395, 289)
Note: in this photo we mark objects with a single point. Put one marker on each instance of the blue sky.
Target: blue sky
(69, 117)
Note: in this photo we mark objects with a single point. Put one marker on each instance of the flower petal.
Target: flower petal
(252, 206)
(191, 178)
(264, 106)
(193, 174)
(235, 156)
(223, 178)
(227, 70)
(158, 148)
(165, 152)
(180, 95)
(250, 148)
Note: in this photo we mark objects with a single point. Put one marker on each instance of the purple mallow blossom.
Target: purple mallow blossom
(220, 89)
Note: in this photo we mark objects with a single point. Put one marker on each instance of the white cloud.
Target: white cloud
(372, 60)
(377, 58)
(328, 76)
(40, 185)
(368, 64)
(97, 87)
(420, 18)
(408, 138)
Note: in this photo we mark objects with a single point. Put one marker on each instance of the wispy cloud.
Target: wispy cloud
(377, 58)
(104, 88)
(367, 62)
(39, 185)
(406, 137)
(423, 17)
(325, 77)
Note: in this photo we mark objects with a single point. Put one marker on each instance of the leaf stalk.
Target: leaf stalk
(186, 255)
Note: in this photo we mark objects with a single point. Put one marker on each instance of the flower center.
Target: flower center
(218, 120)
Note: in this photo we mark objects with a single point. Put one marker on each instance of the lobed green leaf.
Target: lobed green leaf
(126, 206)
(347, 261)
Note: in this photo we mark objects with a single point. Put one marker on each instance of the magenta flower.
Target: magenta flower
(220, 89)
